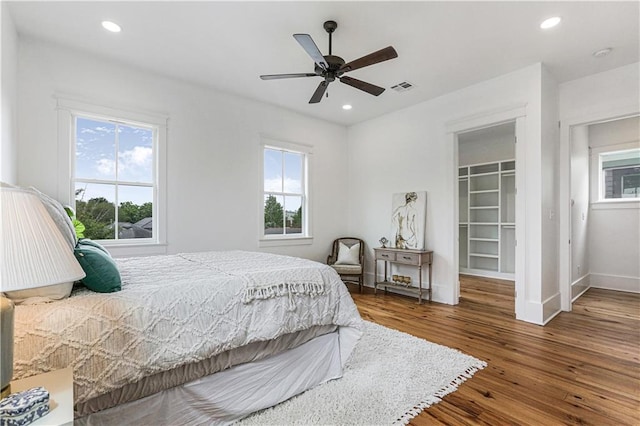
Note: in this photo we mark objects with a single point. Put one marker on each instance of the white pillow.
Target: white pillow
(59, 216)
(348, 255)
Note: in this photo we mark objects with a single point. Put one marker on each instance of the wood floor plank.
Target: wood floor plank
(581, 368)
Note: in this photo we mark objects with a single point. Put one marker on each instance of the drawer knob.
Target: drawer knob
(406, 257)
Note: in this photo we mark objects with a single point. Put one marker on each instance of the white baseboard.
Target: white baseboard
(579, 286)
(489, 274)
(541, 313)
(615, 282)
(550, 308)
(532, 313)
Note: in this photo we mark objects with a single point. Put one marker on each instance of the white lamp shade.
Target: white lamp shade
(33, 252)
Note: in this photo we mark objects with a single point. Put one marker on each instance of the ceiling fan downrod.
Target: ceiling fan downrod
(330, 27)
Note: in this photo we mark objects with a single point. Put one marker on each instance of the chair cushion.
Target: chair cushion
(348, 255)
(348, 269)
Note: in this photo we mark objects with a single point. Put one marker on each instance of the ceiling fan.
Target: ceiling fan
(330, 67)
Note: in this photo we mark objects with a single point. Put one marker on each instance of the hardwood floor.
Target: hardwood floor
(581, 368)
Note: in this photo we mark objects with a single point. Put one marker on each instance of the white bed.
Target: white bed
(199, 338)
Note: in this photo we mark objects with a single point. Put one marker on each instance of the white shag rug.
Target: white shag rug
(389, 379)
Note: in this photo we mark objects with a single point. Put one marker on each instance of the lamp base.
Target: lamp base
(6, 345)
(6, 391)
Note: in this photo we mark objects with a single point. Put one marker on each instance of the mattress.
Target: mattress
(179, 317)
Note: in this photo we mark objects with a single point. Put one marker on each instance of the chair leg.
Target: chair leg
(360, 282)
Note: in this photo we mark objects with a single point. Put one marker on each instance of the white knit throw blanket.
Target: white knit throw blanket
(265, 279)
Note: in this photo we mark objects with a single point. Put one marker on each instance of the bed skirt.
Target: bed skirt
(232, 394)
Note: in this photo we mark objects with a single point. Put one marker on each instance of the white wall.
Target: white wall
(550, 196)
(579, 210)
(8, 88)
(614, 132)
(614, 229)
(496, 143)
(410, 150)
(603, 96)
(214, 154)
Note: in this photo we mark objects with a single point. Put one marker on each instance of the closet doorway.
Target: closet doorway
(487, 206)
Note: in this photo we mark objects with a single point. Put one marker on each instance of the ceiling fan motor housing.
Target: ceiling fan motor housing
(331, 73)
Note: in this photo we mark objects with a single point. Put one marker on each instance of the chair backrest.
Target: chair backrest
(347, 241)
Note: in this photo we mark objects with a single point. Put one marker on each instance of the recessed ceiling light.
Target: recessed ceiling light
(550, 23)
(111, 26)
(347, 107)
(602, 52)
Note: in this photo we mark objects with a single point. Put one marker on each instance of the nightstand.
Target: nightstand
(59, 384)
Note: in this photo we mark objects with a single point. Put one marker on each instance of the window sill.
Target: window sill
(135, 249)
(285, 241)
(617, 204)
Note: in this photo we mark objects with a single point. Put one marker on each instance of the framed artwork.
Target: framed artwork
(408, 220)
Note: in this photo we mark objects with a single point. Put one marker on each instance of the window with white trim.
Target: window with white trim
(285, 193)
(619, 175)
(115, 178)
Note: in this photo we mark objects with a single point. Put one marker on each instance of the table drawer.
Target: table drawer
(385, 255)
(408, 258)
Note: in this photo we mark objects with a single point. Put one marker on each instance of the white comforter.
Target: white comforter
(179, 309)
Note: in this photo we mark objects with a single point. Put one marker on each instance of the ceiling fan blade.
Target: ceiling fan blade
(312, 50)
(279, 76)
(362, 85)
(317, 95)
(370, 59)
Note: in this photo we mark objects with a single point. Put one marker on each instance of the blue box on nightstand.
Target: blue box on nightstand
(22, 408)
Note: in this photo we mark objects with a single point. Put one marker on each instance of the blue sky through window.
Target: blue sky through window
(96, 159)
(277, 163)
(95, 149)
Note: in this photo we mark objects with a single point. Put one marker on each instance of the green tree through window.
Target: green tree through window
(273, 215)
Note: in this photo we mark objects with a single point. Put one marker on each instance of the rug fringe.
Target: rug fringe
(437, 396)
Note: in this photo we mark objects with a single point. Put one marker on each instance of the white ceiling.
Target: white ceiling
(442, 46)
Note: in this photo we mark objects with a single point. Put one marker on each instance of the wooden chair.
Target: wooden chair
(349, 271)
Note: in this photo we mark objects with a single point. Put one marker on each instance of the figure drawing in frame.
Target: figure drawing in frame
(408, 219)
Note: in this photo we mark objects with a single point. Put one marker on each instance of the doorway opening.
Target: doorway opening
(604, 208)
(487, 210)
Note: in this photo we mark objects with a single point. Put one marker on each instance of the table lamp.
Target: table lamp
(33, 253)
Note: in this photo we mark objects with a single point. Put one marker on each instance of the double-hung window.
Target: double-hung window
(285, 192)
(115, 178)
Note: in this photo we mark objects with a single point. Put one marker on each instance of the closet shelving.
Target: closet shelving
(487, 219)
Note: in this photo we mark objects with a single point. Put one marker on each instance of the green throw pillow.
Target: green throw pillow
(88, 242)
(102, 272)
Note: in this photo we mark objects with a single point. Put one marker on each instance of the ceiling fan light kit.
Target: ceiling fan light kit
(331, 67)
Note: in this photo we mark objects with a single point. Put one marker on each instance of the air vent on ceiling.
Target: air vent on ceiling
(402, 87)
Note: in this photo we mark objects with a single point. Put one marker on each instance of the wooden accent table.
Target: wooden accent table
(416, 258)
